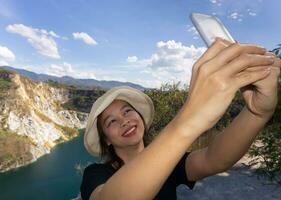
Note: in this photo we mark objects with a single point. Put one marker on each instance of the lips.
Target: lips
(129, 131)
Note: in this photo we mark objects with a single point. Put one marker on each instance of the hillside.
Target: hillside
(32, 119)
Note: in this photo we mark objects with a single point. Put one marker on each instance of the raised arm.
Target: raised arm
(227, 147)
(230, 145)
(143, 177)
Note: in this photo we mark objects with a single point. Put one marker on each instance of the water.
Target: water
(53, 176)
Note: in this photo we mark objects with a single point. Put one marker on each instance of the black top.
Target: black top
(97, 174)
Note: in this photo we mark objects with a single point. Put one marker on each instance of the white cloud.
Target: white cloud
(216, 2)
(132, 59)
(251, 13)
(236, 16)
(237, 10)
(173, 56)
(110, 78)
(85, 38)
(172, 62)
(6, 56)
(194, 32)
(3, 63)
(42, 40)
(149, 83)
(66, 69)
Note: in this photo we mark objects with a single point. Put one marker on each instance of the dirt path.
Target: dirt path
(238, 183)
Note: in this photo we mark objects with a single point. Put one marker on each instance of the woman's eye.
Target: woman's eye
(111, 121)
(128, 110)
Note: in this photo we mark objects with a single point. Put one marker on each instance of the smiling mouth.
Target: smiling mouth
(130, 132)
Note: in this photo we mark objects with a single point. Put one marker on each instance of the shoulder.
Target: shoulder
(93, 176)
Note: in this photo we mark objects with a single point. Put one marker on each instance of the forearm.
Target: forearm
(234, 141)
(143, 177)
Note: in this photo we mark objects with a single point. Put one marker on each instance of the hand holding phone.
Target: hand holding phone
(210, 27)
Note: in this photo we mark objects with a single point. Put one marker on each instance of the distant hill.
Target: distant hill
(84, 83)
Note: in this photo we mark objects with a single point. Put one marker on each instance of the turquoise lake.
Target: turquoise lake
(52, 177)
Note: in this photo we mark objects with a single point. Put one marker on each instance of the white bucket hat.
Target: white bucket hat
(139, 100)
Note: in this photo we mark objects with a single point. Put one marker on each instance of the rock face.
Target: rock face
(32, 112)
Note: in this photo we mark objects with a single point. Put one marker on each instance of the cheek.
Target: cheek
(140, 122)
(111, 132)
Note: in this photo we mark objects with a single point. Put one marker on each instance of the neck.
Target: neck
(129, 152)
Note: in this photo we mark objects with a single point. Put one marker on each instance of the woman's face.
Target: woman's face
(122, 125)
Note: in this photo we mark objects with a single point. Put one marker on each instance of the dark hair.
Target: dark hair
(107, 153)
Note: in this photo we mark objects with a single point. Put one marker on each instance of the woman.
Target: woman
(121, 117)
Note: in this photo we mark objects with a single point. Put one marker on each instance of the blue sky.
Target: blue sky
(148, 42)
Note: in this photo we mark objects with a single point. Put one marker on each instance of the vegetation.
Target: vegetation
(14, 149)
(167, 102)
(69, 132)
(42, 116)
(82, 100)
(56, 84)
(5, 82)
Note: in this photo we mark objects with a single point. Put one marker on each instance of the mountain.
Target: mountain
(87, 83)
(33, 119)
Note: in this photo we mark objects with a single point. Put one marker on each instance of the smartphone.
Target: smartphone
(210, 27)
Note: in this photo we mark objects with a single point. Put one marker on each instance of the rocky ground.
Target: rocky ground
(240, 182)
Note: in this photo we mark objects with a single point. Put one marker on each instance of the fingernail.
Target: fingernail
(272, 58)
(264, 49)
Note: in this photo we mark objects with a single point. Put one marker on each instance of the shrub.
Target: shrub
(167, 102)
(5, 82)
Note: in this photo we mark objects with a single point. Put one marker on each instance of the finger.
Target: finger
(211, 52)
(256, 68)
(245, 61)
(270, 54)
(247, 78)
(277, 61)
(235, 50)
(226, 41)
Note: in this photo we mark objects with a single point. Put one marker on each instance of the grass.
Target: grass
(5, 85)
(14, 149)
(43, 117)
(69, 132)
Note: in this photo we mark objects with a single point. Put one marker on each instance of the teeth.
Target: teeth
(131, 130)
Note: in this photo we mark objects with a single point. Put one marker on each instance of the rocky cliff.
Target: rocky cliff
(32, 119)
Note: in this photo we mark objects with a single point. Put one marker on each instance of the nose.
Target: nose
(125, 122)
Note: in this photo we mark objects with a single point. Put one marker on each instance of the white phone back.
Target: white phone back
(210, 27)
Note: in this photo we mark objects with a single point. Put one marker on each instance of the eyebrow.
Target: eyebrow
(111, 115)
